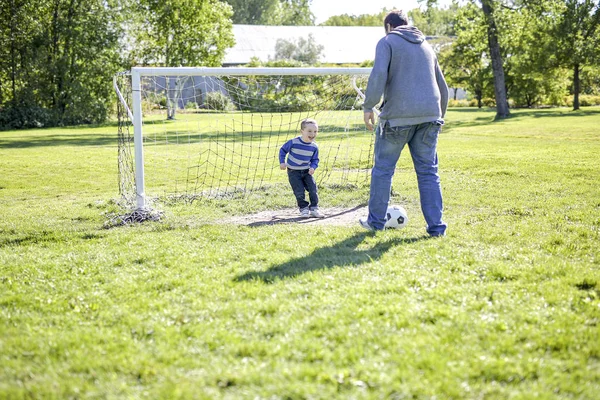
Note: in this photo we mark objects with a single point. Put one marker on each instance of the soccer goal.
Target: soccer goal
(191, 133)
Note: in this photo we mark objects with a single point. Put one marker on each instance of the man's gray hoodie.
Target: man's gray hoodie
(406, 72)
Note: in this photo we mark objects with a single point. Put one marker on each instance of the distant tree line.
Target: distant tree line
(526, 53)
(522, 53)
(57, 57)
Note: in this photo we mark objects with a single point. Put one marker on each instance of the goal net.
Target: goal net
(190, 133)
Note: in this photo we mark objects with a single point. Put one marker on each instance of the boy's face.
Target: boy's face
(309, 133)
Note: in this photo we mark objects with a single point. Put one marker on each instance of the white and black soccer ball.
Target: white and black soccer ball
(396, 217)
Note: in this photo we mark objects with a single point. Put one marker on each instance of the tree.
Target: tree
(435, 21)
(466, 63)
(58, 57)
(577, 39)
(496, 57)
(531, 76)
(253, 12)
(175, 33)
(357, 20)
(271, 12)
(17, 30)
(304, 50)
(295, 12)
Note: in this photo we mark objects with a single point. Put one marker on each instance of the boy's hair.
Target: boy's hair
(395, 18)
(307, 121)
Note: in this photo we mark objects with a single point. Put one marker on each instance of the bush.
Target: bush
(26, 117)
(218, 101)
(488, 102)
(586, 100)
(460, 103)
(191, 105)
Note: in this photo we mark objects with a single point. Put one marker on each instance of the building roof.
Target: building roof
(341, 44)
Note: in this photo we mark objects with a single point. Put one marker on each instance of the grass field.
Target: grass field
(506, 306)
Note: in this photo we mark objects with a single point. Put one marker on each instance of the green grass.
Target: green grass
(506, 306)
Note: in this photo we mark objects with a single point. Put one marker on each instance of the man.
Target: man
(415, 98)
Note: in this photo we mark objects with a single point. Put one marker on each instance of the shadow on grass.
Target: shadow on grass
(302, 220)
(43, 138)
(341, 254)
(79, 140)
(487, 115)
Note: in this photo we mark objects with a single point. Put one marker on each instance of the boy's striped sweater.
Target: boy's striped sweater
(300, 155)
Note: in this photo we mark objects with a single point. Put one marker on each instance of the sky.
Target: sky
(323, 9)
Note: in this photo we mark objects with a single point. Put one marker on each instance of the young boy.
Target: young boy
(302, 160)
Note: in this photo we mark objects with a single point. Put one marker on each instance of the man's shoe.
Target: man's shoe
(305, 213)
(365, 224)
(315, 213)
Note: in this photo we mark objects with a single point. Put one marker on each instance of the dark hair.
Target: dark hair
(308, 121)
(395, 18)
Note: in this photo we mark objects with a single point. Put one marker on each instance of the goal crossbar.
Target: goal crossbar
(240, 71)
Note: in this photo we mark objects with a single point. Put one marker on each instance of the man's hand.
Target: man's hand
(311, 171)
(282, 166)
(369, 119)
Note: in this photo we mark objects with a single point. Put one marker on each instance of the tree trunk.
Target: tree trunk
(13, 56)
(53, 55)
(576, 87)
(62, 85)
(499, 83)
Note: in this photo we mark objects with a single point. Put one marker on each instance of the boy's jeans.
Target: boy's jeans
(301, 180)
(422, 141)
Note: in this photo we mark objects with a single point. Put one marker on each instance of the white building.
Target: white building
(341, 44)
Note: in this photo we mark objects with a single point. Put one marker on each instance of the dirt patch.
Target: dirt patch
(333, 216)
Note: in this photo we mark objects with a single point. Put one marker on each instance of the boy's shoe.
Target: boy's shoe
(305, 213)
(365, 224)
(316, 213)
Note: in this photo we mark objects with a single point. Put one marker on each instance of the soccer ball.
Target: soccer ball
(396, 217)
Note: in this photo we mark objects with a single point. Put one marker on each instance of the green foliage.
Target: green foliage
(466, 63)
(218, 101)
(585, 100)
(533, 76)
(357, 20)
(506, 306)
(61, 59)
(282, 63)
(590, 79)
(179, 33)
(304, 50)
(26, 116)
(58, 58)
(435, 21)
(253, 12)
(302, 93)
(272, 12)
(576, 38)
(191, 105)
(460, 103)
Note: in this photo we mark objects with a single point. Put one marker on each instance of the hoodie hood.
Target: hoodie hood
(409, 33)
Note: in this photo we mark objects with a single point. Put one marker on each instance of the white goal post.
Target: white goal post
(155, 89)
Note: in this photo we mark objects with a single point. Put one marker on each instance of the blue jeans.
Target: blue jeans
(422, 142)
(302, 181)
